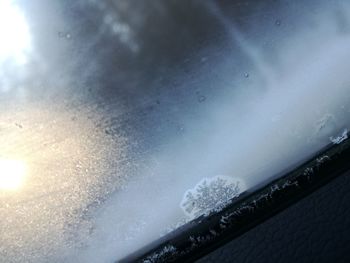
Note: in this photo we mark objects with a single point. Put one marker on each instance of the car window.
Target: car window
(122, 120)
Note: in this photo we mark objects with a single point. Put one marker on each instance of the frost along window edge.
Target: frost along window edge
(250, 208)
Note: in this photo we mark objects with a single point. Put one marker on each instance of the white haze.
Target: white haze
(293, 100)
(281, 94)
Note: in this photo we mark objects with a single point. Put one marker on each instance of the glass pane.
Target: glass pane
(121, 120)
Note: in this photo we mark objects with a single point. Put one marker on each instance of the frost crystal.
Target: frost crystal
(340, 138)
(209, 195)
(161, 255)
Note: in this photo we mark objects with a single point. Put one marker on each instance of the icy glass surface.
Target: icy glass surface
(120, 120)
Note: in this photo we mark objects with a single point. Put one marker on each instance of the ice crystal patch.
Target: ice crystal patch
(210, 194)
(340, 138)
(160, 256)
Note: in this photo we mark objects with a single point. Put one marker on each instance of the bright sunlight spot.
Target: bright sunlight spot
(14, 33)
(12, 174)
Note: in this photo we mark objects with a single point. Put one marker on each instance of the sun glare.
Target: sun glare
(14, 33)
(12, 174)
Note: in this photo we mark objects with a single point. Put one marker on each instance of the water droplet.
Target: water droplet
(181, 129)
(201, 98)
(64, 35)
(19, 125)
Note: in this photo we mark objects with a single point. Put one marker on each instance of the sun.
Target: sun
(12, 174)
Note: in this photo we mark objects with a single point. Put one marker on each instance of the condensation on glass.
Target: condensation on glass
(122, 120)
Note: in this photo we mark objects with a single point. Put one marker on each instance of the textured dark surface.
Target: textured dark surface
(316, 229)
